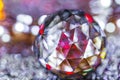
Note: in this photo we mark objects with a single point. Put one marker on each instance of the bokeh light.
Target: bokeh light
(110, 27)
(118, 23)
(26, 19)
(26, 29)
(106, 3)
(1, 5)
(6, 38)
(2, 30)
(19, 27)
(35, 29)
(2, 15)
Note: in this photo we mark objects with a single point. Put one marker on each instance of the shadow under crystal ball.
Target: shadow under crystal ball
(70, 43)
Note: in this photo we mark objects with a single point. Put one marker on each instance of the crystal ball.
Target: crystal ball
(70, 43)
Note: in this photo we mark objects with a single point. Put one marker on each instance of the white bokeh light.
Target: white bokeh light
(110, 27)
(2, 30)
(26, 19)
(118, 23)
(19, 27)
(41, 19)
(6, 38)
(117, 2)
(26, 29)
(106, 3)
(35, 30)
(20, 17)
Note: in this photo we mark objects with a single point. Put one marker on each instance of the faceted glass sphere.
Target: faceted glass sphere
(70, 43)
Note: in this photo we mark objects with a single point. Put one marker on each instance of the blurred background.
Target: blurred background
(20, 20)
